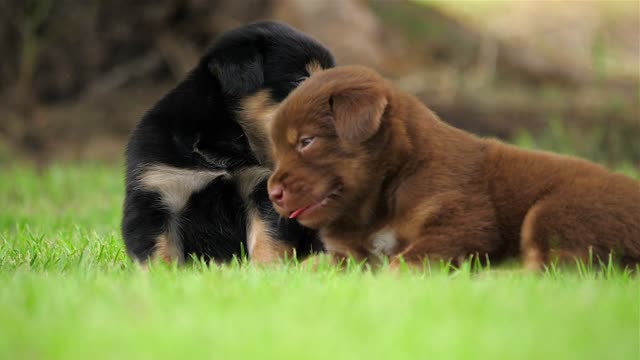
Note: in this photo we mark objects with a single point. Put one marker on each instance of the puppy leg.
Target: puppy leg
(263, 247)
(451, 227)
(434, 248)
(534, 245)
(168, 247)
(156, 196)
(551, 231)
(583, 222)
(146, 230)
(453, 242)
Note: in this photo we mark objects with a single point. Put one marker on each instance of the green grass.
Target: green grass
(67, 290)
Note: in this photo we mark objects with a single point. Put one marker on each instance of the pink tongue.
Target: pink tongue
(295, 214)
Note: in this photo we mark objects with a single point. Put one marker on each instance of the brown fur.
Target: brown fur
(392, 167)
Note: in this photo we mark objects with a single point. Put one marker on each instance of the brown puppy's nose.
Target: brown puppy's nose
(276, 194)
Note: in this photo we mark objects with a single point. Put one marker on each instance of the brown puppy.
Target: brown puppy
(380, 175)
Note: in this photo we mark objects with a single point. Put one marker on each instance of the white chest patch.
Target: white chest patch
(383, 243)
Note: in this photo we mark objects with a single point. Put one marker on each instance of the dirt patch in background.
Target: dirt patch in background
(76, 76)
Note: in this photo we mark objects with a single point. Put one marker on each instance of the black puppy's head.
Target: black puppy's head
(265, 55)
(256, 67)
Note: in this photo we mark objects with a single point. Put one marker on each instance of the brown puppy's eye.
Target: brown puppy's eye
(305, 141)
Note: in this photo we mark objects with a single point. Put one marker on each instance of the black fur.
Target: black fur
(195, 127)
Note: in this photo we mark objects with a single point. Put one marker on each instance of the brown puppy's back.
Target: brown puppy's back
(562, 204)
(545, 205)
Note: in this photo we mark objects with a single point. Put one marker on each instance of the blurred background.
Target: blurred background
(76, 75)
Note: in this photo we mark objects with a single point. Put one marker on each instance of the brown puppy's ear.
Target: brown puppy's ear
(357, 113)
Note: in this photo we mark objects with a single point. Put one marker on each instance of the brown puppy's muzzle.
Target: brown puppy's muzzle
(286, 192)
(303, 196)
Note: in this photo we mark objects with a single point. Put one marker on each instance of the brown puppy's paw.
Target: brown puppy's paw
(533, 260)
(399, 265)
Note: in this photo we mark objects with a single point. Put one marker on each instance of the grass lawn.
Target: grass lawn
(67, 290)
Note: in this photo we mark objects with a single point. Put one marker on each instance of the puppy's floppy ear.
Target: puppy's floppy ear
(358, 113)
(239, 69)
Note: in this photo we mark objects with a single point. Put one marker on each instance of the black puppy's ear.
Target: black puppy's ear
(239, 70)
(358, 113)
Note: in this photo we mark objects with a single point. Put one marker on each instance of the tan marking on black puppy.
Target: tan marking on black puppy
(248, 179)
(168, 249)
(263, 247)
(256, 113)
(176, 185)
(379, 174)
(313, 67)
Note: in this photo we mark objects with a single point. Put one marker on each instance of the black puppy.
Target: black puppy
(197, 163)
